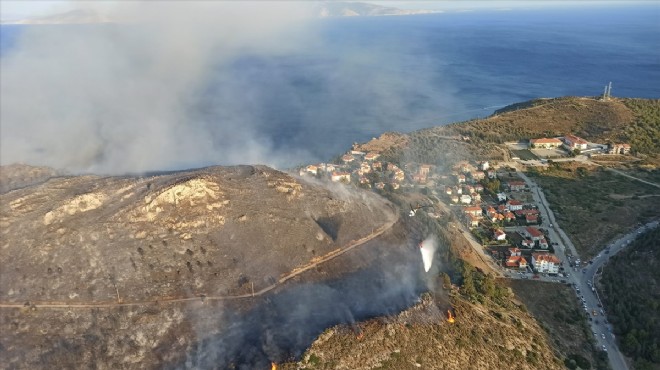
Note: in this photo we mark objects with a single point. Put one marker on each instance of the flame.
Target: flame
(450, 317)
(360, 336)
(273, 366)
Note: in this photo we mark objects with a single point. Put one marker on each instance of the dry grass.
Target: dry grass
(556, 308)
(594, 208)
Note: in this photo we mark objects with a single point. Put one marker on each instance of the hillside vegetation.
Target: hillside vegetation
(487, 335)
(631, 290)
(644, 134)
(636, 121)
(593, 205)
(558, 312)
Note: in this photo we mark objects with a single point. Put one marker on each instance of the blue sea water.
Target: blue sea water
(374, 74)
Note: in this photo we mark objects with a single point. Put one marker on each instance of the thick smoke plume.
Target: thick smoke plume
(176, 85)
(123, 97)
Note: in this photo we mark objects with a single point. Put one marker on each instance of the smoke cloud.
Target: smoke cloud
(178, 85)
(122, 97)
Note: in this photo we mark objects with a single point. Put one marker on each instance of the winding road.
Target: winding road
(394, 218)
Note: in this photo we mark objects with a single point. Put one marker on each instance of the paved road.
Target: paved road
(394, 218)
(581, 279)
(556, 234)
(592, 300)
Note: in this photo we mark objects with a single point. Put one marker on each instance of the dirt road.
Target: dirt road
(394, 218)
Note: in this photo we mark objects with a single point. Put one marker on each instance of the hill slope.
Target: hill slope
(636, 121)
(214, 231)
(481, 338)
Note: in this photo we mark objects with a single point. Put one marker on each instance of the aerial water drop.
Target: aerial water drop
(428, 248)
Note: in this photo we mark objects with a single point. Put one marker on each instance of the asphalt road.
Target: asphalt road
(581, 280)
(598, 325)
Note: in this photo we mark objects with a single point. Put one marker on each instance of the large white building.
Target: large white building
(545, 262)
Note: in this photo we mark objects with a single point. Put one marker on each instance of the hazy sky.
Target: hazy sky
(34, 8)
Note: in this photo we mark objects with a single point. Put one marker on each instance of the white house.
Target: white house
(573, 142)
(533, 233)
(545, 262)
(499, 235)
(466, 199)
(341, 176)
(514, 205)
(545, 143)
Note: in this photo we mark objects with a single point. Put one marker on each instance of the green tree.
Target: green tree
(468, 287)
(487, 286)
(446, 281)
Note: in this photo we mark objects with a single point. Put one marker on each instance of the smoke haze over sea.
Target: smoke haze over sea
(287, 88)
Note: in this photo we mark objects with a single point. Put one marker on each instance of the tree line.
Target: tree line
(631, 287)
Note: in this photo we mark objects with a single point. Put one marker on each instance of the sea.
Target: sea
(369, 75)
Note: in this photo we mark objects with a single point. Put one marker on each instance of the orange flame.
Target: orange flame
(273, 366)
(450, 317)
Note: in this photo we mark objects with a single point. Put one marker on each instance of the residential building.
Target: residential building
(545, 143)
(516, 185)
(545, 262)
(543, 244)
(474, 211)
(499, 235)
(501, 197)
(371, 156)
(340, 176)
(515, 252)
(347, 158)
(478, 175)
(466, 199)
(526, 243)
(572, 142)
(516, 262)
(472, 221)
(531, 219)
(312, 169)
(533, 233)
(514, 205)
(619, 149)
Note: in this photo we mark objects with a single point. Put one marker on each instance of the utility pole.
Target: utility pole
(252, 284)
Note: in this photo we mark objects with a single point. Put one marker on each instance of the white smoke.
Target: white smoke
(121, 97)
(428, 248)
